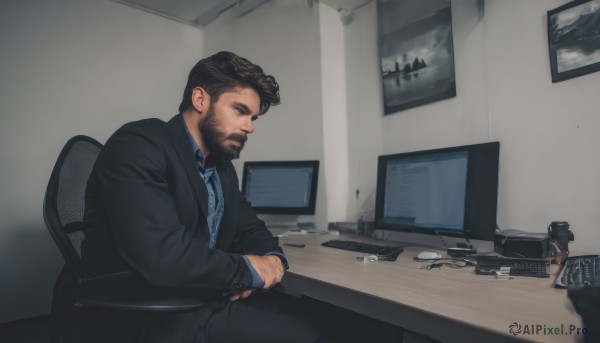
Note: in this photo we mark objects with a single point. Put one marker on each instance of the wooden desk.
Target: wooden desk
(447, 304)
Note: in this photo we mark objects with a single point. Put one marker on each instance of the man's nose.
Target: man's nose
(248, 126)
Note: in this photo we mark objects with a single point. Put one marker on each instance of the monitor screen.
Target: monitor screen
(451, 191)
(281, 187)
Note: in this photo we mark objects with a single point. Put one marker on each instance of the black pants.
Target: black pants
(262, 317)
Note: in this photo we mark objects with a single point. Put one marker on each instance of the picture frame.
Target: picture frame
(416, 52)
(574, 39)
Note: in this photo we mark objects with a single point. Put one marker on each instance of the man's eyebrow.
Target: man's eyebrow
(242, 106)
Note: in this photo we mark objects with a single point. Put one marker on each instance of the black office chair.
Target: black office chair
(112, 296)
(586, 301)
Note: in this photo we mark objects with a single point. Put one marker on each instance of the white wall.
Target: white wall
(282, 37)
(334, 113)
(71, 67)
(549, 133)
(365, 110)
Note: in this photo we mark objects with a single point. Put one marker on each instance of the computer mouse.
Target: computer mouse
(429, 255)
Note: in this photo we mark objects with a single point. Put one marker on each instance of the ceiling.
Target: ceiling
(202, 12)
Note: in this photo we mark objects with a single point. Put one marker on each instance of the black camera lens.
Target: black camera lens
(559, 231)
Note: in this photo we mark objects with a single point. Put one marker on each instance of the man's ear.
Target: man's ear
(200, 99)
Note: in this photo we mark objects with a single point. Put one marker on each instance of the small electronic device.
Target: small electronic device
(517, 243)
(460, 252)
(281, 187)
(383, 252)
(368, 258)
(449, 191)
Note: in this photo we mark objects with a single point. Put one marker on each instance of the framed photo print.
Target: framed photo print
(574, 39)
(416, 52)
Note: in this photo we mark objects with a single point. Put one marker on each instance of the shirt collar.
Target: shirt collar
(195, 147)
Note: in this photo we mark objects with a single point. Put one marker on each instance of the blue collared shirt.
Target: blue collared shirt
(216, 205)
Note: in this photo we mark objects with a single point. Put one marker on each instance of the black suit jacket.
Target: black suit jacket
(146, 209)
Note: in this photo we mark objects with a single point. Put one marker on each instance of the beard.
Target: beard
(214, 139)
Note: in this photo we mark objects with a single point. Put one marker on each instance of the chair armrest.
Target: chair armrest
(131, 299)
(127, 292)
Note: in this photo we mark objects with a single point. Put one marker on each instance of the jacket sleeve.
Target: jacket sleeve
(132, 178)
(252, 235)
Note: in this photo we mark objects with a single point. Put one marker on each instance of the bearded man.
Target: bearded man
(163, 203)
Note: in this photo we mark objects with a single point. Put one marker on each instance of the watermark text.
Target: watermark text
(517, 329)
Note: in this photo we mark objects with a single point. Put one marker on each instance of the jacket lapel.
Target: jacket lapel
(224, 171)
(225, 236)
(184, 151)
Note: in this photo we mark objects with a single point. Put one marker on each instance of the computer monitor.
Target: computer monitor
(450, 191)
(281, 187)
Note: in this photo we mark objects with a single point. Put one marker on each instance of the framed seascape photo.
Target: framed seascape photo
(416, 52)
(574, 39)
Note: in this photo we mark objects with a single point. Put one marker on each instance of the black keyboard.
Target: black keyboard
(579, 271)
(383, 252)
(513, 266)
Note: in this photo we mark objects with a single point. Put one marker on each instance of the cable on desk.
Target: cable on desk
(448, 262)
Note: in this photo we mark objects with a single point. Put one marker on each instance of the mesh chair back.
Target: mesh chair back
(64, 202)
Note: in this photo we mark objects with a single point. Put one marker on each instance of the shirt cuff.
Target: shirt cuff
(257, 282)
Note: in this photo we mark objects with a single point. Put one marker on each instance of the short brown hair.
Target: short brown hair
(225, 70)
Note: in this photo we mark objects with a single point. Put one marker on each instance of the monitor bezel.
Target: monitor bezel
(481, 197)
(310, 209)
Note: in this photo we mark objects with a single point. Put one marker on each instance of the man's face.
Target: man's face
(229, 121)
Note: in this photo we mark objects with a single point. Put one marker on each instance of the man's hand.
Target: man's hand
(269, 268)
(240, 295)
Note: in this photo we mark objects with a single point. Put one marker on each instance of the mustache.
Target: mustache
(238, 137)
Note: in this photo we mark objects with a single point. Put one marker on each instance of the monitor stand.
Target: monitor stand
(287, 227)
